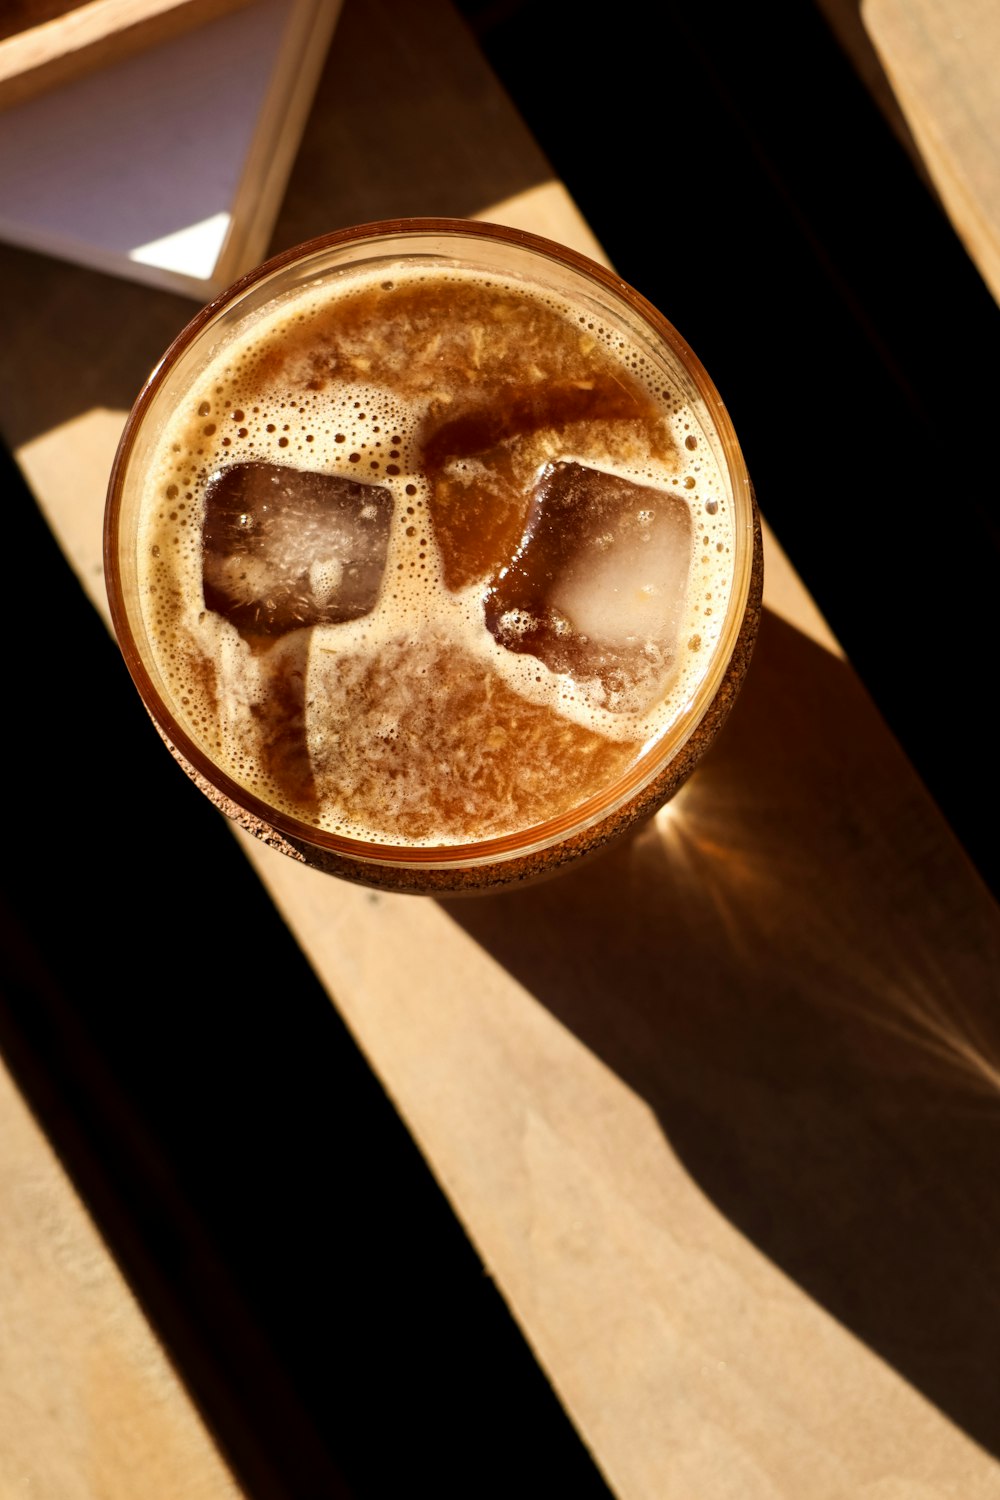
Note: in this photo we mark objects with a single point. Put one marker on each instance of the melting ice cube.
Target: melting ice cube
(283, 548)
(597, 585)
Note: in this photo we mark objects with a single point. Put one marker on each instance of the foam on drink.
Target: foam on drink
(457, 409)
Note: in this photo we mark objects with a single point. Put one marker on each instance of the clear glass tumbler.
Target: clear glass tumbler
(433, 555)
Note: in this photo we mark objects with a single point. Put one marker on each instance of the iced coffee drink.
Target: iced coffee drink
(432, 553)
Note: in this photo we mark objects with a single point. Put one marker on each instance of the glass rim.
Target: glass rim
(652, 767)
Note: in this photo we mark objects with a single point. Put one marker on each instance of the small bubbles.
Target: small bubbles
(422, 585)
(204, 408)
(171, 492)
(282, 442)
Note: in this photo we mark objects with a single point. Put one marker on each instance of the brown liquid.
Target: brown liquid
(458, 407)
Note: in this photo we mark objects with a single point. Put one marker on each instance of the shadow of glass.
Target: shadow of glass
(795, 966)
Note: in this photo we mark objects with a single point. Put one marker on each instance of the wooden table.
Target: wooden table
(935, 70)
(718, 1112)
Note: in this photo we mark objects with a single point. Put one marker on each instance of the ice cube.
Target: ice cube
(481, 455)
(597, 584)
(284, 548)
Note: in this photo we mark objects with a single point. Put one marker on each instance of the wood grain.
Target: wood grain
(943, 62)
(89, 1405)
(79, 38)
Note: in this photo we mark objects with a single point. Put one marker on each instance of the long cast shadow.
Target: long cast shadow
(797, 969)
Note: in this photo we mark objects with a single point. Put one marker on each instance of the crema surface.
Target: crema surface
(429, 556)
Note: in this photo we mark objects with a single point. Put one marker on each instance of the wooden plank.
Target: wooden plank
(73, 39)
(556, 1056)
(845, 21)
(943, 62)
(90, 1408)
